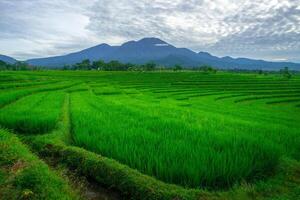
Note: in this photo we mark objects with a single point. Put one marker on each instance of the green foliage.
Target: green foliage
(207, 69)
(26, 176)
(286, 73)
(152, 144)
(177, 68)
(100, 65)
(18, 66)
(10, 93)
(260, 72)
(33, 114)
(3, 65)
(186, 128)
(150, 66)
(84, 65)
(113, 65)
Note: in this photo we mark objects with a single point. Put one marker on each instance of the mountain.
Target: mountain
(8, 59)
(148, 49)
(160, 52)
(246, 63)
(138, 52)
(94, 53)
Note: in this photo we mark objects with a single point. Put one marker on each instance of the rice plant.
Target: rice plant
(188, 128)
(33, 114)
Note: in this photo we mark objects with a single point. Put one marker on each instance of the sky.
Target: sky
(262, 29)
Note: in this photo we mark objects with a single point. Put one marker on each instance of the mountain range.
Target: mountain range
(7, 59)
(155, 50)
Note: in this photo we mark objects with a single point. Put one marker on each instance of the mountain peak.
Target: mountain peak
(98, 47)
(152, 40)
(146, 42)
(103, 45)
(227, 57)
(204, 53)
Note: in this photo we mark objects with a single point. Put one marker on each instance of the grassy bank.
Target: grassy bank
(24, 176)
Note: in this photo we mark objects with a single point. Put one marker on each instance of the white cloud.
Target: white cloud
(255, 28)
(162, 45)
(38, 28)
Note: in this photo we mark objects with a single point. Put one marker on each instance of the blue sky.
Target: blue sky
(263, 29)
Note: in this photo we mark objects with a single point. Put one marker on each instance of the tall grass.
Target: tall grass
(33, 114)
(11, 95)
(169, 150)
(166, 125)
(24, 176)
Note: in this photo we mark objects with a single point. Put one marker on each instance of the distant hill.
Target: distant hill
(160, 52)
(94, 53)
(8, 59)
(142, 51)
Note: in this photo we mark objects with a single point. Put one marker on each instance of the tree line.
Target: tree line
(115, 65)
(18, 66)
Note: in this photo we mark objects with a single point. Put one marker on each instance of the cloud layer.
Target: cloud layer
(268, 29)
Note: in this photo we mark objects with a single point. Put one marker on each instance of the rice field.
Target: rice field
(194, 130)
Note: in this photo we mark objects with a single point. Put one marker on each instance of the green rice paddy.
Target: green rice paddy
(194, 130)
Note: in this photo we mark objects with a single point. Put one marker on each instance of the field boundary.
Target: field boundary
(148, 146)
(107, 172)
(131, 183)
(33, 91)
(26, 176)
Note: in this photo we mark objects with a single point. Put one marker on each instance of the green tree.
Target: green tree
(150, 66)
(3, 65)
(66, 67)
(208, 69)
(99, 64)
(114, 65)
(84, 65)
(177, 67)
(21, 66)
(286, 73)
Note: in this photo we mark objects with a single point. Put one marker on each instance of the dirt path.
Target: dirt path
(94, 191)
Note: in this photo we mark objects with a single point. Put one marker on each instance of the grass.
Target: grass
(24, 176)
(33, 114)
(188, 129)
(168, 149)
(10, 95)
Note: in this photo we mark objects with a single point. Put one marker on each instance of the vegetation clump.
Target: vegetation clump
(18, 66)
(286, 73)
(25, 176)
